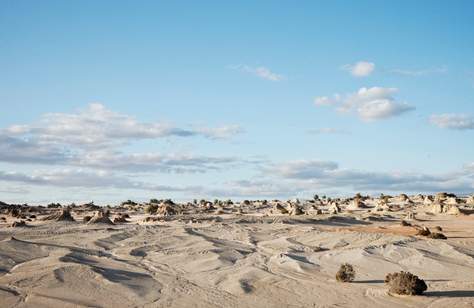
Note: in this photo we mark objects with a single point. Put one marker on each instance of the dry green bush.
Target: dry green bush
(405, 283)
(345, 273)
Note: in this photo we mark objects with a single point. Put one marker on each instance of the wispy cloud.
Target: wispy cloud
(259, 71)
(328, 131)
(81, 178)
(420, 72)
(360, 69)
(453, 121)
(367, 103)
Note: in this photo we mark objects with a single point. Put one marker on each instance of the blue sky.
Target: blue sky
(241, 100)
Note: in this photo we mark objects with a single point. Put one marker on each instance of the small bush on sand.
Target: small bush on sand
(437, 236)
(405, 283)
(345, 273)
(438, 228)
(151, 208)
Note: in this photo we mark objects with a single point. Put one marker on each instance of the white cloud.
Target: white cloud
(469, 167)
(453, 121)
(93, 138)
(23, 151)
(360, 69)
(260, 71)
(151, 162)
(328, 175)
(302, 169)
(96, 126)
(369, 103)
(380, 109)
(29, 150)
(222, 132)
(327, 101)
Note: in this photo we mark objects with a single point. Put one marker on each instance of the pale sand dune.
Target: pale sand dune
(232, 260)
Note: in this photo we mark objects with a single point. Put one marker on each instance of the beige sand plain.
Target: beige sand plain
(241, 255)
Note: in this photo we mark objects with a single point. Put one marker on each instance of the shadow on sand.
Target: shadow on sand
(460, 293)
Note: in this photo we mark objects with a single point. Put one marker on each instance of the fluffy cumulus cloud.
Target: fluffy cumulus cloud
(453, 121)
(259, 71)
(367, 103)
(360, 69)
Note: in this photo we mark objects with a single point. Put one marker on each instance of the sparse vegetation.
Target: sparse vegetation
(437, 236)
(129, 202)
(405, 283)
(151, 208)
(345, 273)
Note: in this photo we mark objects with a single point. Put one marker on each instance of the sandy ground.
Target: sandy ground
(234, 260)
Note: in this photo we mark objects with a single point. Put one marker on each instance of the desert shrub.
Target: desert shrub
(437, 236)
(168, 202)
(405, 283)
(151, 208)
(345, 273)
(438, 228)
(128, 202)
